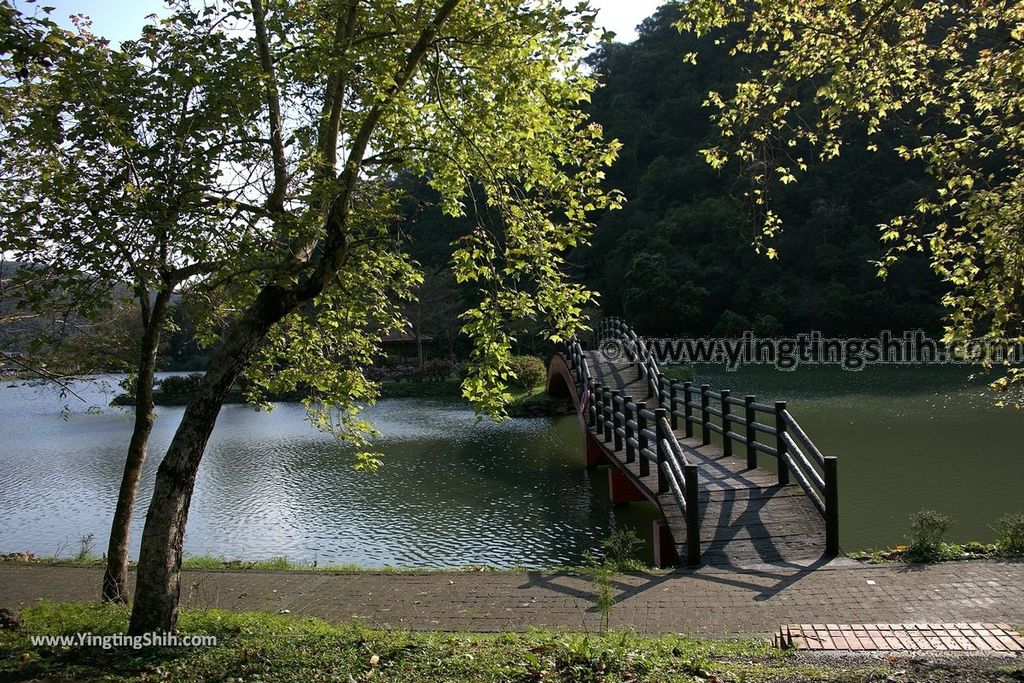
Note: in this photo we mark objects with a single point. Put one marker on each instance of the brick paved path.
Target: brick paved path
(711, 601)
(957, 637)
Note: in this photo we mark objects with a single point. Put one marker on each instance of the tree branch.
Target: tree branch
(275, 201)
(60, 381)
(334, 97)
(179, 275)
(335, 240)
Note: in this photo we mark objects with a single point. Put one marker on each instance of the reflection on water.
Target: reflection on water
(453, 491)
(907, 438)
(450, 492)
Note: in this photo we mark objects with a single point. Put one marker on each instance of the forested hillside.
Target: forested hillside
(685, 236)
(686, 231)
(679, 257)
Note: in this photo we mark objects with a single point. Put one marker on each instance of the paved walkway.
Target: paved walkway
(711, 601)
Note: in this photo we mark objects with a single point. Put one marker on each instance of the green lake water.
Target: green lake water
(456, 492)
(907, 438)
(450, 492)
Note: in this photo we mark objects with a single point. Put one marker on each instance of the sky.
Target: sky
(121, 19)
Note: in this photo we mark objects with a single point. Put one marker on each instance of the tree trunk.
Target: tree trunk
(115, 578)
(158, 586)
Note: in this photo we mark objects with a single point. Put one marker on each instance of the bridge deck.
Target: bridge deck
(747, 519)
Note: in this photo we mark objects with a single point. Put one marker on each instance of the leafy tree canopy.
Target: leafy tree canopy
(677, 258)
(937, 82)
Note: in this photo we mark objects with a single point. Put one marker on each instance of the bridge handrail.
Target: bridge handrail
(645, 435)
(629, 425)
(792, 448)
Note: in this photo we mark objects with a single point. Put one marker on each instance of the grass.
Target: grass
(270, 648)
(536, 402)
(422, 389)
(266, 647)
(941, 552)
(926, 544)
(215, 562)
(679, 373)
(528, 403)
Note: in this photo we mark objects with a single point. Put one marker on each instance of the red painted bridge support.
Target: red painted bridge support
(593, 452)
(621, 488)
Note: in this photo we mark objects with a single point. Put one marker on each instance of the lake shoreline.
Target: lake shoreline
(533, 403)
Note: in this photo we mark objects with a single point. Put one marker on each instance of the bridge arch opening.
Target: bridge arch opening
(560, 383)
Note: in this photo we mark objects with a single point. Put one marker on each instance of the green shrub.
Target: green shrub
(1010, 530)
(927, 529)
(529, 372)
(620, 549)
(178, 387)
(438, 369)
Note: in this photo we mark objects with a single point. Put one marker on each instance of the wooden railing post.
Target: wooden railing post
(691, 493)
(831, 506)
(616, 421)
(751, 416)
(726, 424)
(606, 403)
(629, 413)
(599, 406)
(687, 410)
(705, 416)
(780, 443)
(673, 397)
(641, 438)
(647, 371)
(660, 424)
(592, 407)
(637, 357)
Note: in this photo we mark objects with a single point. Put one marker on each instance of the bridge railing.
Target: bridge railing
(758, 428)
(578, 366)
(647, 438)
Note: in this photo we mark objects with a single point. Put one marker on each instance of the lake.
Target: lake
(454, 492)
(907, 438)
(450, 492)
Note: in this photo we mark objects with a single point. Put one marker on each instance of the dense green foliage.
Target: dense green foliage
(932, 83)
(687, 230)
(679, 258)
(530, 371)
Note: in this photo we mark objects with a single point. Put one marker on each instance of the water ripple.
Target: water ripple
(450, 492)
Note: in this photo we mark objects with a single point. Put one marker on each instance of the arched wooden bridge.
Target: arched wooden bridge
(695, 453)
